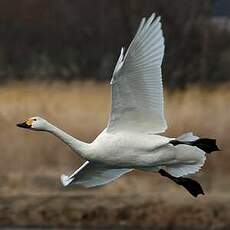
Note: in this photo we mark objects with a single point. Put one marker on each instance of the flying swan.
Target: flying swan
(131, 139)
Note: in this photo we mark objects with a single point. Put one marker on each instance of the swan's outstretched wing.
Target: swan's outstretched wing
(92, 174)
(137, 91)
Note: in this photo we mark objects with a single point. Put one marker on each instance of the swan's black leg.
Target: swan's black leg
(205, 144)
(191, 185)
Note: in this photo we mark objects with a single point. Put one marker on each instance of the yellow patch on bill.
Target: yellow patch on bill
(29, 122)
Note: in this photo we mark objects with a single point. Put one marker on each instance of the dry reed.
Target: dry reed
(82, 108)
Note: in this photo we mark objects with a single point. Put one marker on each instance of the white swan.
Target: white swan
(130, 140)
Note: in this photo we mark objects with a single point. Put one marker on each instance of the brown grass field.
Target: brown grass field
(31, 162)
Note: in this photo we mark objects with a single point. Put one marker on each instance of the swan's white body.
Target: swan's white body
(130, 140)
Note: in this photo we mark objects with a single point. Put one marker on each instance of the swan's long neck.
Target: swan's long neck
(77, 145)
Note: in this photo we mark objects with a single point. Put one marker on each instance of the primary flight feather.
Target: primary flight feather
(131, 139)
(137, 92)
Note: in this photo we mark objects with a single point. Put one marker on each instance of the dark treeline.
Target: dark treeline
(79, 39)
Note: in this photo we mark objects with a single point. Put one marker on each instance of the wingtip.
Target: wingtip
(65, 180)
(158, 19)
(153, 15)
(143, 19)
(122, 53)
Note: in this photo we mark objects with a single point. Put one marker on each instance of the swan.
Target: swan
(131, 139)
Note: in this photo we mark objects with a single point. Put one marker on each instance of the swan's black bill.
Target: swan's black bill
(24, 125)
(192, 186)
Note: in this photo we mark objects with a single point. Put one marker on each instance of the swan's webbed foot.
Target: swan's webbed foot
(206, 144)
(190, 185)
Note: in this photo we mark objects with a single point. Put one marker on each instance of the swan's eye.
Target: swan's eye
(34, 119)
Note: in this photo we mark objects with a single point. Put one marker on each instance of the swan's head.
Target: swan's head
(34, 123)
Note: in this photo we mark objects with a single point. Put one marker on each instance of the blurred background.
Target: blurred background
(56, 60)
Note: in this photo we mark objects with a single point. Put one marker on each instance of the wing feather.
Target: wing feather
(92, 174)
(137, 91)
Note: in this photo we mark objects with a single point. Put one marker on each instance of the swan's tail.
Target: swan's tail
(190, 159)
(206, 144)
